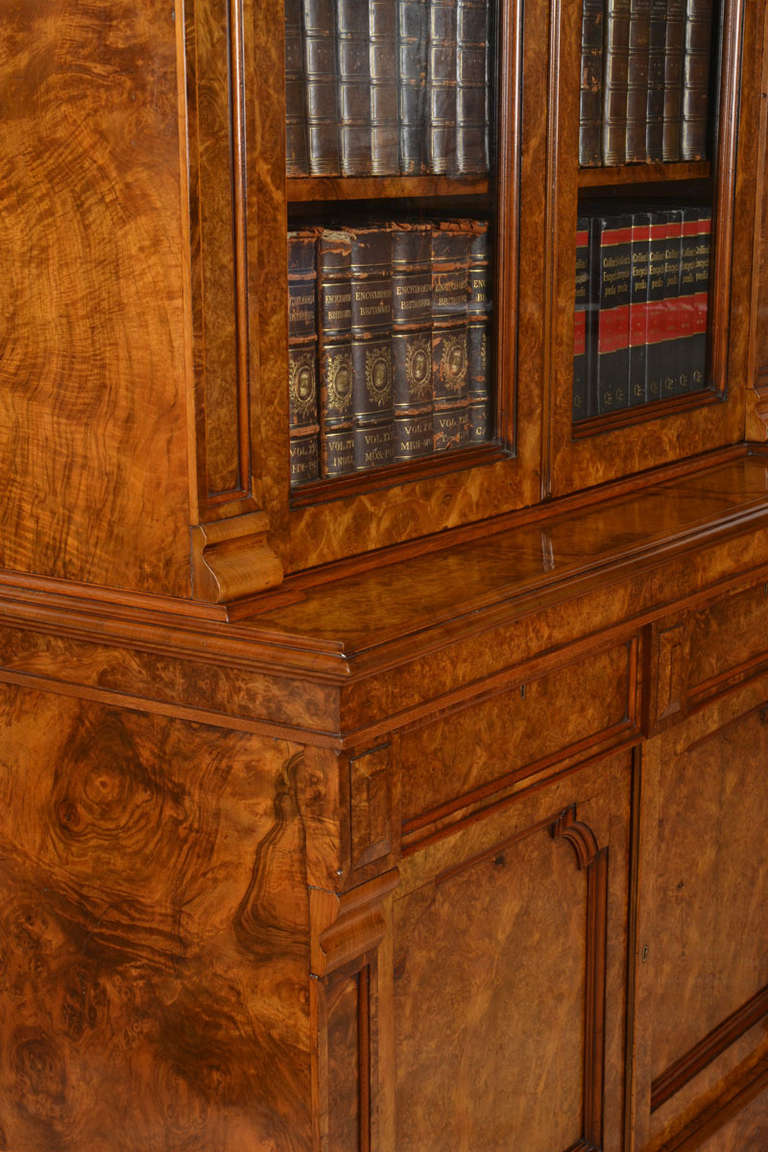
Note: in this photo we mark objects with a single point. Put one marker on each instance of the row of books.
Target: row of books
(645, 80)
(387, 343)
(642, 291)
(386, 87)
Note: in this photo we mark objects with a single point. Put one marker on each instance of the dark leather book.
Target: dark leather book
(638, 308)
(371, 280)
(696, 69)
(354, 87)
(580, 378)
(673, 81)
(672, 343)
(591, 93)
(615, 72)
(302, 355)
(472, 76)
(451, 247)
(385, 129)
(412, 318)
(319, 26)
(656, 327)
(478, 321)
(637, 80)
(654, 113)
(412, 76)
(697, 226)
(612, 360)
(413, 434)
(337, 444)
(441, 87)
(296, 150)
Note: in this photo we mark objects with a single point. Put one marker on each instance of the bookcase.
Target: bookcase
(401, 801)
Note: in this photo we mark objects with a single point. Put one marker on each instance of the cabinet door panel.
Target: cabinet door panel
(704, 982)
(509, 940)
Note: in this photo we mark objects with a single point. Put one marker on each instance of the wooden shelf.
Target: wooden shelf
(305, 189)
(643, 174)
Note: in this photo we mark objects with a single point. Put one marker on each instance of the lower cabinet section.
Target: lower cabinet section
(702, 1005)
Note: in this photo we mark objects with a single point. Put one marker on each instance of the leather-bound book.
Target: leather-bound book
(412, 339)
(478, 314)
(385, 129)
(472, 75)
(319, 20)
(638, 308)
(654, 114)
(354, 87)
(615, 69)
(673, 330)
(656, 325)
(441, 87)
(296, 151)
(615, 253)
(302, 355)
(581, 300)
(371, 280)
(412, 76)
(591, 94)
(451, 243)
(696, 68)
(673, 81)
(637, 80)
(697, 226)
(337, 441)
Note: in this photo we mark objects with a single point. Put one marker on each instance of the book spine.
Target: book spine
(337, 441)
(637, 80)
(638, 308)
(412, 73)
(655, 317)
(615, 247)
(616, 63)
(673, 81)
(412, 340)
(385, 129)
(478, 313)
(472, 86)
(699, 320)
(696, 63)
(302, 356)
(672, 326)
(296, 152)
(654, 114)
(319, 26)
(686, 304)
(441, 85)
(352, 43)
(371, 280)
(591, 91)
(580, 380)
(451, 242)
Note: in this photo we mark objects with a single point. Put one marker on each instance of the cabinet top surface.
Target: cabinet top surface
(379, 605)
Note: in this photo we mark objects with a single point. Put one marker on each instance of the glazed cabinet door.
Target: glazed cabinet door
(509, 941)
(702, 944)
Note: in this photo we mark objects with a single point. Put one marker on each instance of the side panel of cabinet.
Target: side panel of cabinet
(93, 451)
(702, 946)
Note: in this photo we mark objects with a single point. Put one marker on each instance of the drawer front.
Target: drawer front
(478, 749)
(728, 636)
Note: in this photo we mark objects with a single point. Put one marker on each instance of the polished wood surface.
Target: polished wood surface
(420, 812)
(93, 371)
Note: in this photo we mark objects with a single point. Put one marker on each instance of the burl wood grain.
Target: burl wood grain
(92, 377)
(494, 970)
(153, 985)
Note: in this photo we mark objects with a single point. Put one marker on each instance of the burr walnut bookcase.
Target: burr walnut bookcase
(422, 808)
